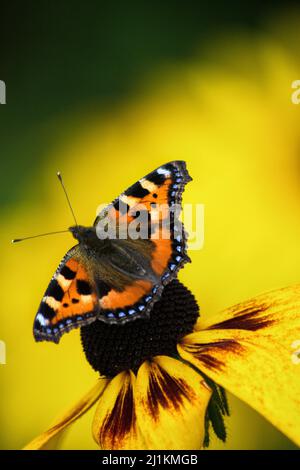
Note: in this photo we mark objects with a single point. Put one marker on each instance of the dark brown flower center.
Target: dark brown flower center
(111, 349)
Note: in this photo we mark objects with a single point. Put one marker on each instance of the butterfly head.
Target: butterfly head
(85, 235)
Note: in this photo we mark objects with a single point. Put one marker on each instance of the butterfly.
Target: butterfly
(117, 279)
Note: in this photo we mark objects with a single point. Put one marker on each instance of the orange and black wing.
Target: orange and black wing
(70, 300)
(162, 240)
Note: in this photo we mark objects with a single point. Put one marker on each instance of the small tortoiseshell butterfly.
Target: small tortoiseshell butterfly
(118, 280)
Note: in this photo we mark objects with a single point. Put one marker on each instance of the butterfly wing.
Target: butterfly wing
(159, 255)
(70, 300)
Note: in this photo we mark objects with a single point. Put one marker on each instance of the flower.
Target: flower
(158, 376)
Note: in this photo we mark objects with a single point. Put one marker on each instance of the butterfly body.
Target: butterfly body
(117, 279)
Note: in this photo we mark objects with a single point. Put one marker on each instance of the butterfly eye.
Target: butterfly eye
(89, 233)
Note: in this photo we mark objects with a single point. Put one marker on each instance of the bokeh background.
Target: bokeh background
(105, 92)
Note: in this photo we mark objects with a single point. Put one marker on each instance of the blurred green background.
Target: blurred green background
(106, 92)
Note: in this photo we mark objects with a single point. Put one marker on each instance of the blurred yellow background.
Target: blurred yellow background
(232, 120)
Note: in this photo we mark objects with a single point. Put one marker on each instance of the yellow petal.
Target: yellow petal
(171, 401)
(251, 350)
(44, 440)
(115, 424)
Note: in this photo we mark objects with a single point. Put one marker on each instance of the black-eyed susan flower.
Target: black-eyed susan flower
(162, 378)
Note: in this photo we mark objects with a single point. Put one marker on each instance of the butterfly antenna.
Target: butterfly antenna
(16, 240)
(66, 194)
